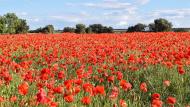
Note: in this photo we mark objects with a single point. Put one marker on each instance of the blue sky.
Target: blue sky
(116, 13)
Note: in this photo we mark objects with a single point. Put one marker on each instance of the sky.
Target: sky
(115, 13)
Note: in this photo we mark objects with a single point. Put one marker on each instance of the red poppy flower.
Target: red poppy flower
(156, 103)
(86, 100)
(58, 89)
(155, 96)
(13, 98)
(87, 87)
(171, 100)
(111, 79)
(53, 104)
(99, 90)
(69, 98)
(76, 90)
(119, 75)
(1, 99)
(143, 87)
(181, 70)
(114, 94)
(122, 103)
(125, 85)
(23, 88)
(41, 96)
(61, 75)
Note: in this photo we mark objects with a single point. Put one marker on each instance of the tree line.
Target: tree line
(159, 25)
(11, 24)
(79, 28)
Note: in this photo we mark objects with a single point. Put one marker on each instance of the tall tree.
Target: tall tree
(2, 25)
(162, 25)
(80, 28)
(11, 24)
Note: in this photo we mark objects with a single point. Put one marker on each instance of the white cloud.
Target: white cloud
(65, 18)
(109, 4)
(111, 12)
(117, 19)
(21, 13)
(172, 13)
(122, 23)
(72, 18)
(116, 13)
(33, 19)
(179, 17)
(115, 4)
(142, 2)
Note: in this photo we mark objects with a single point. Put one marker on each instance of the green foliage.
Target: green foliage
(98, 28)
(159, 25)
(95, 28)
(80, 28)
(88, 30)
(107, 29)
(22, 27)
(137, 28)
(11, 24)
(131, 29)
(181, 29)
(151, 27)
(68, 30)
(48, 29)
(2, 25)
(162, 25)
(38, 30)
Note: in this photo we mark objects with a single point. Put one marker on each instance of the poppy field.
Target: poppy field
(95, 70)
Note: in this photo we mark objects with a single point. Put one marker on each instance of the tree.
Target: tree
(11, 24)
(88, 30)
(140, 27)
(22, 27)
(48, 29)
(107, 29)
(80, 28)
(98, 28)
(131, 29)
(38, 30)
(151, 27)
(69, 30)
(162, 25)
(2, 25)
(110, 30)
(181, 29)
(137, 28)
